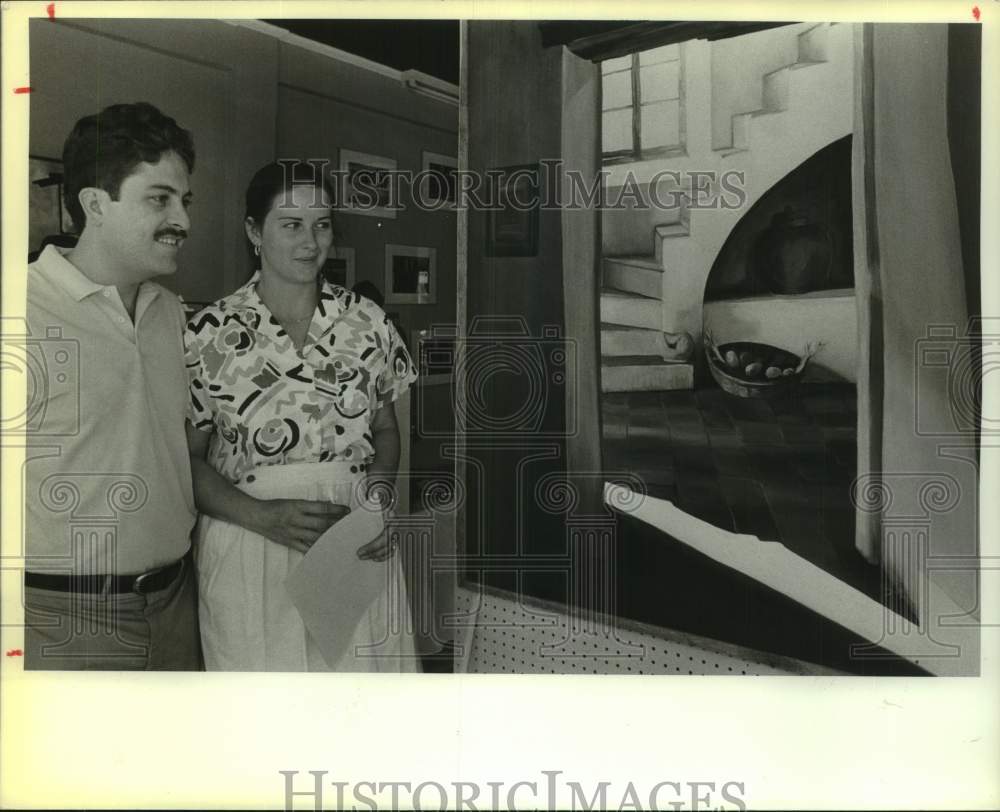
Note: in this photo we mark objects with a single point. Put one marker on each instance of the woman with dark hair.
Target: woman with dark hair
(292, 424)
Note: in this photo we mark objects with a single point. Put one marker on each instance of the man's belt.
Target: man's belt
(142, 584)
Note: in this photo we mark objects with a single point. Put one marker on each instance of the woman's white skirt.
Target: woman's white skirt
(249, 623)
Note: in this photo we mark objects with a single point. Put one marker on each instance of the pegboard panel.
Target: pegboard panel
(507, 637)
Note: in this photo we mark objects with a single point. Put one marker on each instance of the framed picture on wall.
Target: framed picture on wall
(47, 215)
(368, 184)
(339, 266)
(410, 274)
(441, 183)
(512, 231)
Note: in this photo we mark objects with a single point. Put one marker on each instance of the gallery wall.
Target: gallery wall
(248, 97)
(321, 112)
(211, 77)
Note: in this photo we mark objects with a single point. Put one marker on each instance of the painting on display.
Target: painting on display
(441, 181)
(512, 230)
(339, 267)
(368, 187)
(410, 274)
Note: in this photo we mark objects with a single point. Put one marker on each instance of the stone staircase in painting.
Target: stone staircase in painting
(631, 334)
(656, 260)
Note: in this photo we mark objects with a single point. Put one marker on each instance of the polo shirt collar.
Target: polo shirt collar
(64, 274)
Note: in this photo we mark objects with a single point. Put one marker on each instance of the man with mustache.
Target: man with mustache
(109, 505)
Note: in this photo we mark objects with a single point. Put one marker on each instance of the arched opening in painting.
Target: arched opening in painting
(781, 339)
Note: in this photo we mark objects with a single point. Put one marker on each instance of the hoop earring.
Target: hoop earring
(256, 249)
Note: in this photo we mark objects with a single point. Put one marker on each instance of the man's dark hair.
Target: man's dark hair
(104, 149)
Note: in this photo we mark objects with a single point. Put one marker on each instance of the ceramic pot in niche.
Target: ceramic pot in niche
(793, 254)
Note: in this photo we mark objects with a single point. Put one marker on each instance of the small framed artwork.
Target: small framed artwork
(512, 231)
(440, 181)
(339, 266)
(410, 274)
(369, 187)
(47, 215)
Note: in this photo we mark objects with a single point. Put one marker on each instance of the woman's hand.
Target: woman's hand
(295, 523)
(378, 492)
(378, 549)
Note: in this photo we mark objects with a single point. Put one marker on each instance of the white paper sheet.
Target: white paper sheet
(332, 588)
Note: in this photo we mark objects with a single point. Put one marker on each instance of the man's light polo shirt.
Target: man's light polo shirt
(108, 481)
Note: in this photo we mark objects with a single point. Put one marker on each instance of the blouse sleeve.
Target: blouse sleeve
(398, 371)
(199, 411)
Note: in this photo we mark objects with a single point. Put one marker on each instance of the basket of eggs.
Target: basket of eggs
(749, 369)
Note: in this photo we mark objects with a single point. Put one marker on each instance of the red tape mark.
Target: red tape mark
(22, 89)
(15, 652)
(51, 9)
(975, 12)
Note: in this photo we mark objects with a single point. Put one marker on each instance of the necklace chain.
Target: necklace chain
(284, 320)
(289, 321)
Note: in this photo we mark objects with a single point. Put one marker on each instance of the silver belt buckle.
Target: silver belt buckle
(137, 585)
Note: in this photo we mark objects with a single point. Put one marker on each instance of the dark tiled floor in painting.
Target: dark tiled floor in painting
(780, 470)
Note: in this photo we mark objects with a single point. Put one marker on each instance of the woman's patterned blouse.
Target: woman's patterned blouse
(269, 403)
